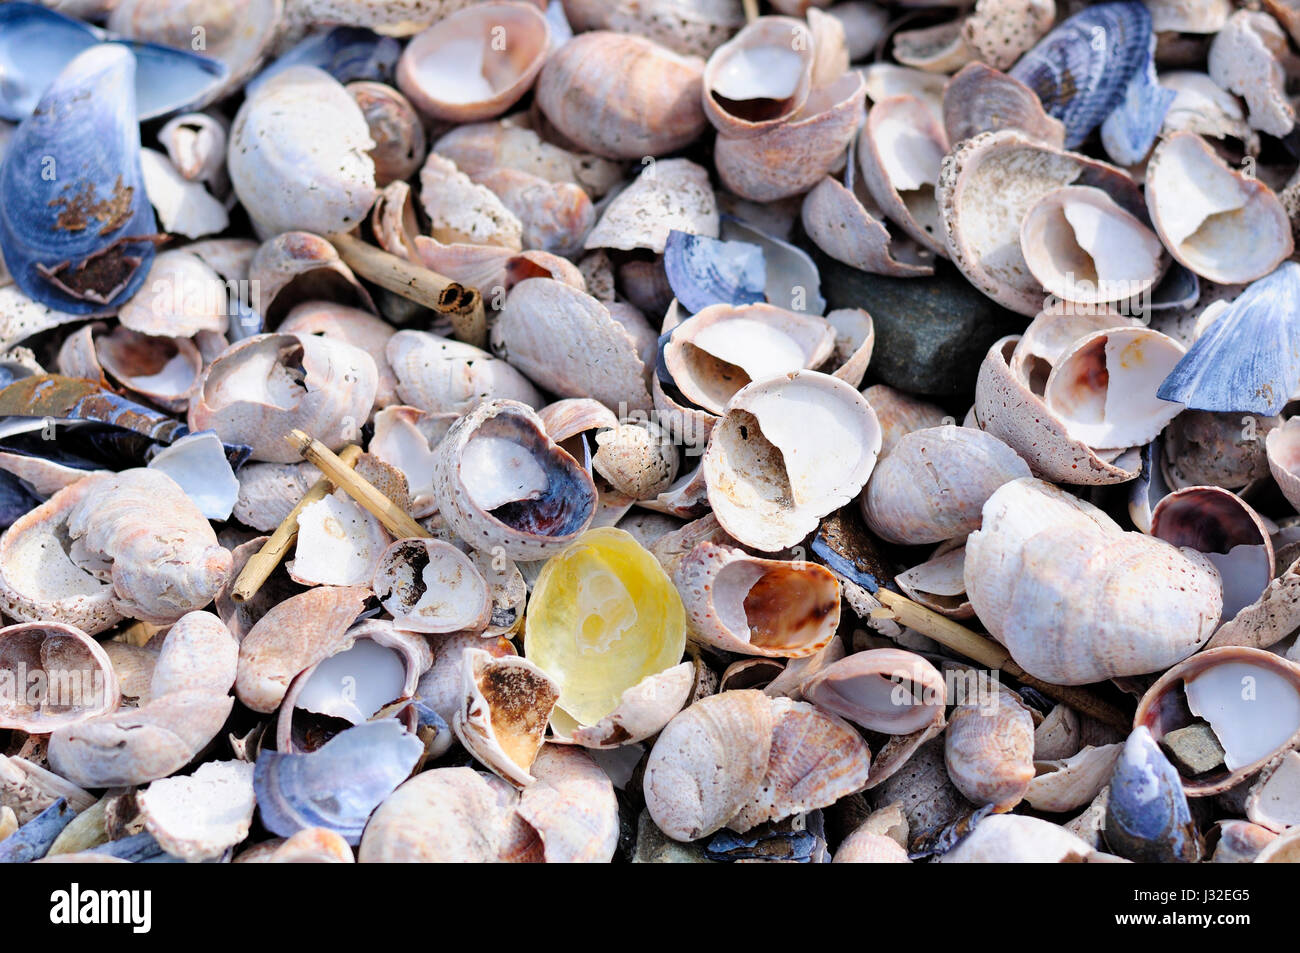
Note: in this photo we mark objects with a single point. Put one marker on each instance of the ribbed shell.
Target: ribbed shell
(990, 754)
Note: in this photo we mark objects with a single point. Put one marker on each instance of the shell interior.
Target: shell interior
(1253, 710)
(356, 683)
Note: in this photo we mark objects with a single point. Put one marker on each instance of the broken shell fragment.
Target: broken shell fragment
(442, 376)
(670, 195)
(572, 807)
(200, 816)
(428, 585)
(641, 712)
(53, 675)
(1147, 817)
(339, 543)
(760, 78)
(502, 721)
(900, 149)
(1246, 57)
(886, 690)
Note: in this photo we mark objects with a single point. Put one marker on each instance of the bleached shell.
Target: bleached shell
(708, 763)
(554, 216)
(638, 459)
(196, 145)
(572, 416)
(887, 690)
(1190, 16)
(855, 341)
(477, 148)
(622, 97)
(668, 195)
(990, 754)
(1053, 333)
(461, 211)
(900, 151)
(494, 268)
(459, 71)
(269, 491)
(1067, 784)
(1017, 838)
(295, 266)
(352, 326)
(162, 369)
(555, 498)
(793, 156)
(1274, 800)
(439, 375)
(935, 49)
(569, 343)
(934, 483)
(294, 635)
(1229, 228)
(340, 543)
(691, 27)
(431, 586)
(139, 529)
(1246, 57)
(770, 607)
(1007, 408)
(314, 845)
(830, 47)
(299, 155)
(1000, 31)
(760, 78)
(864, 847)
(837, 223)
(724, 347)
(181, 297)
(987, 184)
(249, 394)
(939, 583)
(404, 437)
(41, 657)
(183, 207)
(900, 414)
(199, 816)
(789, 450)
(139, 745)
(572, 807)
(1202, 106)
(198, 654)
(642, 711)
(502, 720)
(981, 99)
(448, 815)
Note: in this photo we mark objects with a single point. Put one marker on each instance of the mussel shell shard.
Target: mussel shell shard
(1248, 360)
(339, 785)
(704, 271)
(32, 840)
(76, 227)
(1147, 816)
(346, 53)
(1130, 131)
(1081, 69)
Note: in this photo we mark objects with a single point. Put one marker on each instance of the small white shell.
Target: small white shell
(428, 585)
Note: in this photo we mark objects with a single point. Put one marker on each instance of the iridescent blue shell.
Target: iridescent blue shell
(347, 53)
(1130, 131)
(703, 271)
(1147, 817)
(34, 839)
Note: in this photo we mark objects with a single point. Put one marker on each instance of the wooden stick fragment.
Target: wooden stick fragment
(263, 562)
(463, 305)
(395, 519)
(988, 653)
(751, 10)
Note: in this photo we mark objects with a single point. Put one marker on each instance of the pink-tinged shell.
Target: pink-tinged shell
(439, 375)
(864, 847)
(550, 503)
(815, 760)
(887, 690)
(293, 636)
(708, 763)
(724, 347)
(936, 49)
(45, 477)
(1283, 446)
(138, 745)
(462, 211)
(482, 147)
(1285, 849)
(495, 271)
(1052, 577)
(572, 416)
(990, 754)
(571, 805)
(476, 63)
(623, 97)
(939, 583)
(1053, 333)
(1007, 408)
(198, 654)
(181, 296)
(770, 607)
(447, 815)
(642, 711)
(670, 194)
(1000, 31)
(839, 225)
(570, 344)
(394, 126)
(441, 686)
(988, 183)
(900, 414)
(404, 438)
(55, 675)
(934, 484)
(855, 340)
(162, 369)
(1229, 227)
(792, 157)
(1017, 838)
(1240, 842)
(900, 151)
(760, 78)
(979, 99)
(351, 326)
(331, 399)
(1067, 784)
(428, 585)
(555, 216)
(1250, 682)
(139, 529)
(293, 267)
(394, 222)
(313, 845)
(269, 491)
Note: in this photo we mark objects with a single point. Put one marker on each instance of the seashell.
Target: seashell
(1130, 131)
(183, 296)
(1067, 784)
(80, 239)
(161, 369)
(1246, 57)
(297, 267)
(1231, 229)
(638, 460)
(1202, 448)
(461, 211)
(499, 480)
(935, 49)
(739, 603)
(981, 216)
(900, 414)
(688, 27)
(431, 586)
(1202, 106)
(793, 281)
(981, 99)
(641, 712)
(1240, 842)
(766, 483)
(201, 816)
(555, 216)
(269, 491)
(999, 31)
(990, 753)
(140, 531)
(353, 326)
(184, 207)
(479, 148)
(301, 132)
(939, 584)
(259, 389)
(1282, 850)
(886, 690)
(396, 129)
(1272, 800)
(1147, 817)
(1254, 720)
(708, 763)
(442, 376)
(704, 271)
(33, 840)
(446, 814)
(196, 145)
(889, 79)
(1082, 67)
(404, 438)
(315, 845)
(791, 157)
(670, 195)
(855, 340)
(865, 847)
(53, 675)
(837, 223)
(622, 97)
(1104, 389)
(1023, 598)
(1243, 361)
(1284, 460)
(462, 69)
(507, 703)
(1061, 242)
(198, 654)
(552, 332)
(760, 78)
(339, 543)
(572, 807)
(934, 484)
(293, 636)
(900, 151)
(1018, 839)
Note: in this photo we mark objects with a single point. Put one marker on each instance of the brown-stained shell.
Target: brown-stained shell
(428, 585)
(502, 720)
(396, 128)
(1000, 31)
(439, 375)
(990, 754)
(56, 675)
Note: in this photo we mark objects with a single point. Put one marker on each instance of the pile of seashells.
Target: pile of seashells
(649, 430)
